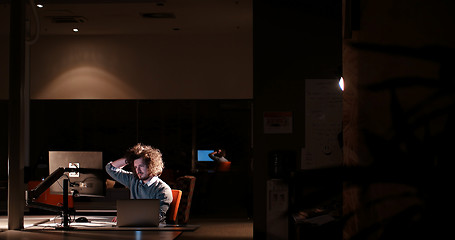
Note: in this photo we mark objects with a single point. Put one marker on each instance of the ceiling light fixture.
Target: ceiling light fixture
(75, 30)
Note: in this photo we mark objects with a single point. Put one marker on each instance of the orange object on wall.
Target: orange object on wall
(48, 198)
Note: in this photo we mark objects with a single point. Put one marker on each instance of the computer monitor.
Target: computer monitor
(89, 181)
(203, 155)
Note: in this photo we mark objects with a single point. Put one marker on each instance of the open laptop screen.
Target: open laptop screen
(138, 213)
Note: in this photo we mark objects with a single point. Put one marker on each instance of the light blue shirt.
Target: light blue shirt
(217, 158)
(153, 189)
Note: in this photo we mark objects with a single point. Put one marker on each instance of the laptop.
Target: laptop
(138, 213)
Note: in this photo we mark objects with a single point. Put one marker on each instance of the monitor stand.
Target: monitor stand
(65, 212)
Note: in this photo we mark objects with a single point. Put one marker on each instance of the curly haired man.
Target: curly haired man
(143, 181)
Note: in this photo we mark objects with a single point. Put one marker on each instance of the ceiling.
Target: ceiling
(149, 17)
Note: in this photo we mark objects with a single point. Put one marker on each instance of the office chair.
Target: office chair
(223, 166)
(174, 207)
(186, 184)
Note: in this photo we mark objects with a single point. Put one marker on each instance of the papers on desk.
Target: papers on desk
(104, 223)
(94, 222)
(75, 224)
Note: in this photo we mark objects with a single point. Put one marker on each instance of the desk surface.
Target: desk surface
(99, 227)
(95, 235)
(104, 223)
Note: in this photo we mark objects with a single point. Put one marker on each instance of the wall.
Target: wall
(398, 115)
(4, 67)
(112, 126)
(4, 91)
(142, 67)
(4, 140)
(4, 50)
(168, 65)
(293, 41)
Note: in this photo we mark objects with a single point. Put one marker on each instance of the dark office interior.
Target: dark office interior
(375, 168)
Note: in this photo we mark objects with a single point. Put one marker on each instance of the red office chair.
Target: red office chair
(174, 207)
(186, 185)
(223, 166)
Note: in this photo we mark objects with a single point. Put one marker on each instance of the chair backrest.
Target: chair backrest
(174, 207)
(186, 184)
(223, 166)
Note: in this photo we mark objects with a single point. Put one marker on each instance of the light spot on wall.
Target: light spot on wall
(87, 82)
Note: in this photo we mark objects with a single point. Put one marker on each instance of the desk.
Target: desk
(100, 227)
(104, 223)
(95, 235)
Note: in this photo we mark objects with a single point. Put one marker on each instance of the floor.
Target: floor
(217, 229)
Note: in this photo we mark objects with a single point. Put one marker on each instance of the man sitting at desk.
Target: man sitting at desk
(218, 156)
(143, 181)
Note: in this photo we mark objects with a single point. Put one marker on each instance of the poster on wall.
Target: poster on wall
(277, 122)
(323, 124)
